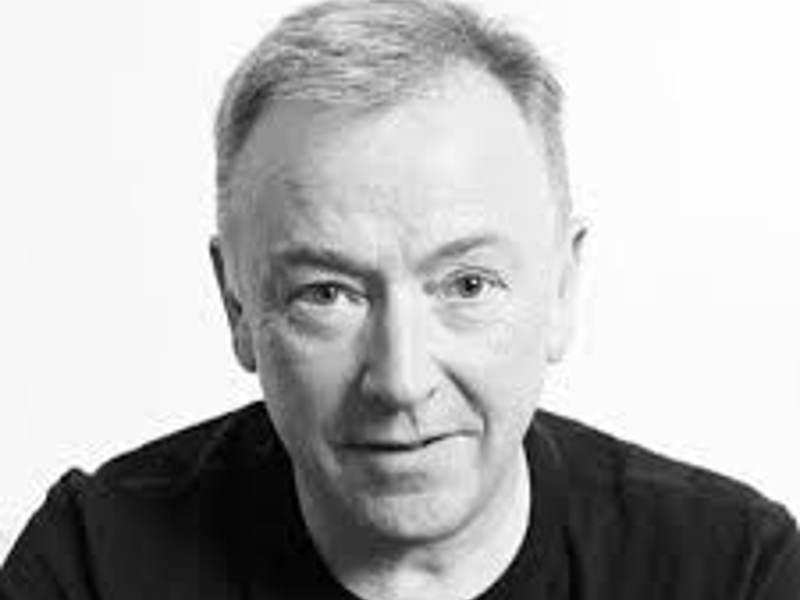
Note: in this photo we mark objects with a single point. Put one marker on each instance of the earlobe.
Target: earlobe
(243, 347)
(562, 317)
(242, 338)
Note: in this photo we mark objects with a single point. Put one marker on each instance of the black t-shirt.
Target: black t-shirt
(211, 513)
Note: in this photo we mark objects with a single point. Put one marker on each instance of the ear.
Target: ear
(242, 337)
(562, 317)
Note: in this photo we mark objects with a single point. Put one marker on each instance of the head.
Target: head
(396, 253)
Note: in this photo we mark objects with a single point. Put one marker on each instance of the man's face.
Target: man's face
(399, 274)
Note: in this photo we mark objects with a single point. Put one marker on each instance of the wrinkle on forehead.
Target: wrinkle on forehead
(398, 182)
(298, 137)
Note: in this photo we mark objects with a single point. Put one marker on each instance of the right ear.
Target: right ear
(240, 331)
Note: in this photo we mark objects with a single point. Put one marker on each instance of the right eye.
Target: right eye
(327, 307)
(327, 301)
(324, 293)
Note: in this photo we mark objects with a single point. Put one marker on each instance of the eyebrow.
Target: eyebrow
(461, 246)
(306, 255)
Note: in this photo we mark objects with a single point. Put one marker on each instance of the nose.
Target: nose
(400, 371)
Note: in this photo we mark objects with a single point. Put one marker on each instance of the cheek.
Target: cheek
(513, 347)
(304, 382)
(516, 370)
(502, 370)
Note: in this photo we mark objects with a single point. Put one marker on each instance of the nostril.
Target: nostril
(396, 391)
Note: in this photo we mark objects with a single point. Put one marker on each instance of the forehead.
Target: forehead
(458, 156)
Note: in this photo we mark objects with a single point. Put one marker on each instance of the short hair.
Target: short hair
(370, 54)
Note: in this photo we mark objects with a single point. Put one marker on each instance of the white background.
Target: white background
(682, 128)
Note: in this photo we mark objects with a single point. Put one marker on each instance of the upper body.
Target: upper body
(397, 256)
(211, 513)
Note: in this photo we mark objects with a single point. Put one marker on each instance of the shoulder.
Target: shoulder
(153, 514)
(663, 515)
(173, 463)
(598, 461)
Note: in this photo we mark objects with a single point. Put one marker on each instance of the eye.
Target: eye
(324, 293)
(471, 286)
(326, 307)
(321, 294)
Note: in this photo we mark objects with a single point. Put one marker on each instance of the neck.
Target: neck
(460, 565)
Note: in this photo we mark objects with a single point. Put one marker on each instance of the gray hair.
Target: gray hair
(369, 54)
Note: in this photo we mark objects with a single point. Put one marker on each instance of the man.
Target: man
(397, 258)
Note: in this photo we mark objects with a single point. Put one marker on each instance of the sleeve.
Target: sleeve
(49, 560)
(777, 575)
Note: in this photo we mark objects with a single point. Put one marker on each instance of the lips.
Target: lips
(393, 446)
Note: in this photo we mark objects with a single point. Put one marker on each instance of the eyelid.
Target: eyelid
(316, 274)
(491, 277)
(296, 291)
(301, 279)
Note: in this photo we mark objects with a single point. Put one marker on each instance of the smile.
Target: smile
(394, 461)
(389, 446)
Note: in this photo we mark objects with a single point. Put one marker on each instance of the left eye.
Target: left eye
(469, 286)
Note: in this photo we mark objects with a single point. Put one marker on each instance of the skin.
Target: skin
(399, 281)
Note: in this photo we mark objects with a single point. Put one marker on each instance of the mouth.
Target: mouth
(394, 446)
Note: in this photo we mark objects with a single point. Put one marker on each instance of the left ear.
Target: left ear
(563, 305)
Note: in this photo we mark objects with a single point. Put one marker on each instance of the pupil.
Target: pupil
(326, 293)
(470, 285)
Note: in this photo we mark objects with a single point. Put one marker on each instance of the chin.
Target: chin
(413, 517)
